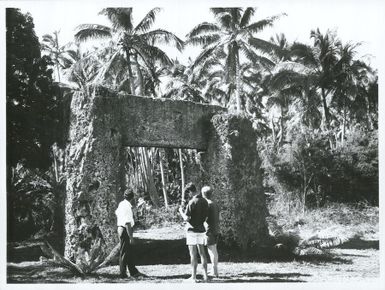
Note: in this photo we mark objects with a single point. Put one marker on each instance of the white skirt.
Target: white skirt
(195, 238)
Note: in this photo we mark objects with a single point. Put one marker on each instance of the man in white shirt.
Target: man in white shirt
(125, 223)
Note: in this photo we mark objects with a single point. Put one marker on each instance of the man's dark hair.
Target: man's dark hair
(190, 187)
(129, 194)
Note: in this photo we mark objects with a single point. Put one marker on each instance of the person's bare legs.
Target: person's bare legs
(194, 260)
(202, 253)
(213, 253)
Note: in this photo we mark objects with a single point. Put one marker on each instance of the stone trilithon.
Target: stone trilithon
(102, 123)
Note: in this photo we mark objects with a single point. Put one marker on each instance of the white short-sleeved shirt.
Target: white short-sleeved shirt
(124, 214)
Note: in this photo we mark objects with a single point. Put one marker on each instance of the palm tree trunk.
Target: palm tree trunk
(140, 76)
(130, 74)
(343, 127)
(326, 109)
(150, 181)
(238, 84)
(163, 179)
(272, 129)
(280, 138)
(181, 172)
(142, 167)
(58, 72)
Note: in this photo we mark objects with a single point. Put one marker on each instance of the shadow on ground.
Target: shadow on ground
(358, 244)
(152, 251)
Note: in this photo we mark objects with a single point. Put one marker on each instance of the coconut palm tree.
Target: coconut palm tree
(292, 90)
(184, 83)
(133, 42)
(321, 58)
(350, 93)
(232, 35)
(138, 46)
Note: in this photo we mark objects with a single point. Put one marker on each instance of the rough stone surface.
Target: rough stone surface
(102, 123)
(152, 122)
(94, 159)
(232, 167)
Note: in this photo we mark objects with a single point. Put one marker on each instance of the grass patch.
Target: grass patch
(339, 221)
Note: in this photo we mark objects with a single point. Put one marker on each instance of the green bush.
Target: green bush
(159, 217)
(307, 170)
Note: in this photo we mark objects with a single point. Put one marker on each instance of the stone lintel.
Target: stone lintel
(150, 122)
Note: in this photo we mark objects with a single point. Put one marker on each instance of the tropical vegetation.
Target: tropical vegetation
(314, 106)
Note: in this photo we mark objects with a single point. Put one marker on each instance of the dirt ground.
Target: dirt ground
(163, 257)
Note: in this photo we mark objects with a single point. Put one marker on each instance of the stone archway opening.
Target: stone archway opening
(157, 174)
(104, 123)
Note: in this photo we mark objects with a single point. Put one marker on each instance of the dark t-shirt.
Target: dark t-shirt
(197, 211)
(213, 218)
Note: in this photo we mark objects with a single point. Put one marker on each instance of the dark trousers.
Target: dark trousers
(126, 255)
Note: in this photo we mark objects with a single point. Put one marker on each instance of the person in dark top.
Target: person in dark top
(212, 229)
(195, 215)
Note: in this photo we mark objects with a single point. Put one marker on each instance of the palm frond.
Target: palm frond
(170, 93)
(286, 78)
(260, 25)
(149, 53)
(113, 63)
(204, 55)
(147, 21)
(249, 12)
(160, 36)
(263, 45)
(236, 14)
(49, 39)
(73, 54)
(121, 18)
(255, 58)
(304, 52)
(92, 31)
(203, 28)
(218, 10)
(203, 39)
(223, 17)
(292, 66)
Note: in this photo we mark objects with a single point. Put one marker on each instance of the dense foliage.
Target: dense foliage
(31, 102)
(34, 122)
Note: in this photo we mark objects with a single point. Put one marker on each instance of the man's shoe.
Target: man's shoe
(123, 276)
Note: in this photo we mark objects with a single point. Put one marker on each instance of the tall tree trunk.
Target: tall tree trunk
(181, 171)
(238, 84)
(280, 138)
(304, 191)
(58, 72)
(343, 126)
(370, 122)
(272, 129)
(149, 174)
(326, 109)
(163, 179)
(140, 76)
(130, 74)
(142, 167)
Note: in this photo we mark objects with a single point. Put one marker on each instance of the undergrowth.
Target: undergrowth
(340, 221)
(159, 217)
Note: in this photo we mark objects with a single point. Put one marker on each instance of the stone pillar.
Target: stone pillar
(232, 168)
(94, 183)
